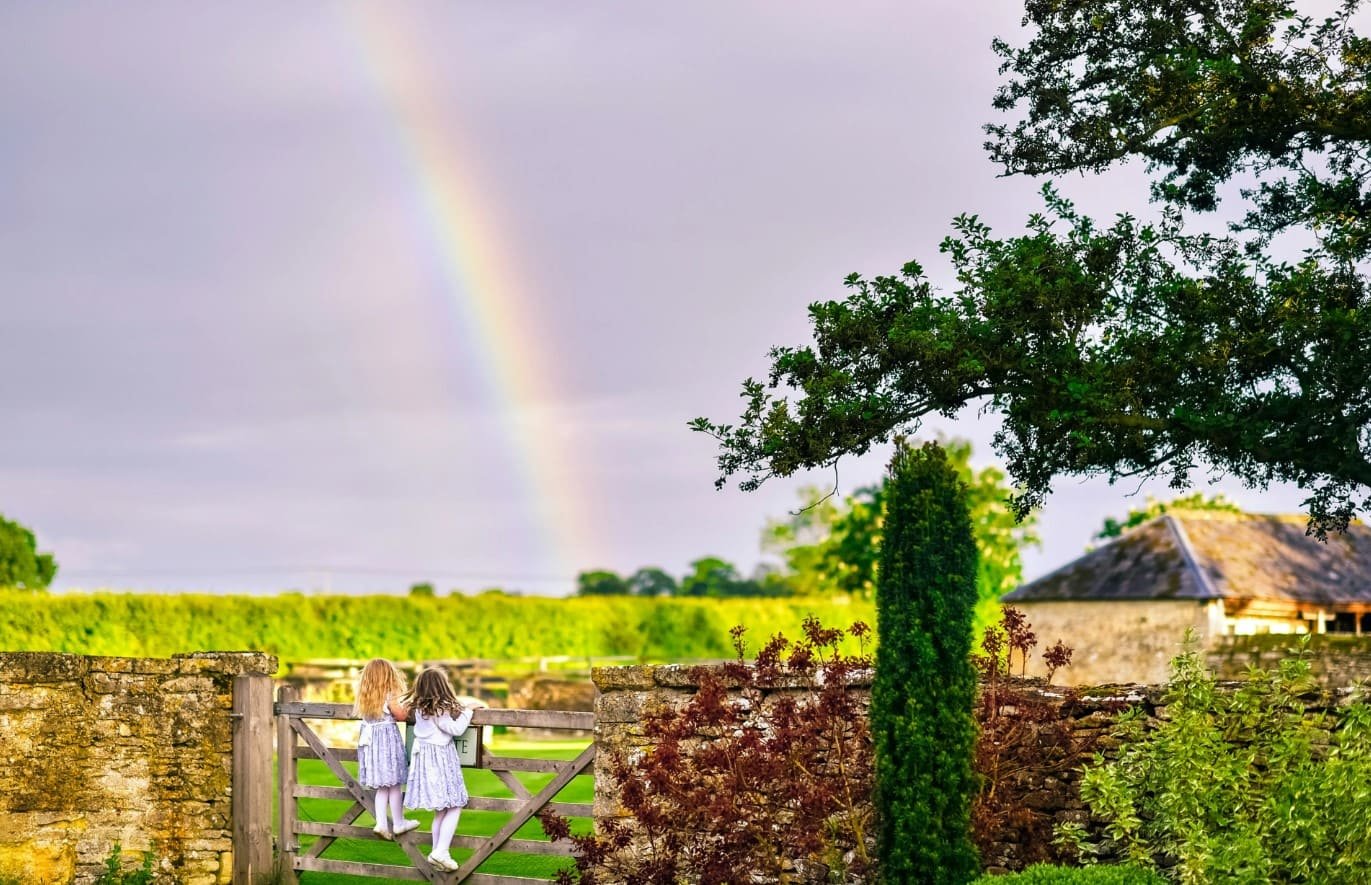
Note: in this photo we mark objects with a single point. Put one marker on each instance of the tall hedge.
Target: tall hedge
(297, 627)
(922, 695)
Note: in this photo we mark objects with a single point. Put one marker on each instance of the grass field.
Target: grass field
(473, 823)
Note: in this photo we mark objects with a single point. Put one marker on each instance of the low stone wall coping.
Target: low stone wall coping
(43, 666)
(644, 677)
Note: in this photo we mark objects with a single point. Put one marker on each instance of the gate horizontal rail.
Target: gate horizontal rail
(297, 740)
(561, 719)
(476, 803)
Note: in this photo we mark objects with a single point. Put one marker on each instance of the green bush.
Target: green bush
(1097, 875)
(1238, 786)
(115, 874)
(296, 627)
(924, 685)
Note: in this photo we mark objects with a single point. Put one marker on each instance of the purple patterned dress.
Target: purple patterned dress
(381, 752)
(435, 771)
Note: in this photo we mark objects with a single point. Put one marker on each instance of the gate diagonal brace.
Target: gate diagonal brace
(530, 807)
(321, 844)
(365, 797)
(515, 785)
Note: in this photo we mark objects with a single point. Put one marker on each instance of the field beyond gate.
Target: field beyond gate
(297, 740)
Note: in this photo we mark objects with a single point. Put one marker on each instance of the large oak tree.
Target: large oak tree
(1124, 348)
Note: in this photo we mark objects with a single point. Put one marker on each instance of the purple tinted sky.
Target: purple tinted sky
(228, 362)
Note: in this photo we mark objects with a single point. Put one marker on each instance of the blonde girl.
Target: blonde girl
(380, 746)
(435, 772)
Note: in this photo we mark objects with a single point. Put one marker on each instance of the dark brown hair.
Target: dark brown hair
(432, 695)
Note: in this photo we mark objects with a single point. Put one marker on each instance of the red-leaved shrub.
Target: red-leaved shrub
(1027, 744)
(763, 774)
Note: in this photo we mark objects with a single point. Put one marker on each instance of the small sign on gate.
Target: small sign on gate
(468, 745)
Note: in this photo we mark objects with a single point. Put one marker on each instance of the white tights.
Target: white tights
(444, 828)
(392, 798)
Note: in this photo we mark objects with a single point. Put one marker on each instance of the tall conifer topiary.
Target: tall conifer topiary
(924, 687)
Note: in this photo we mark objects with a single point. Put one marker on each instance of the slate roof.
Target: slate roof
(1201, 555)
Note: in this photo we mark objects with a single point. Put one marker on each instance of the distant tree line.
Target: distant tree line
(710, 577)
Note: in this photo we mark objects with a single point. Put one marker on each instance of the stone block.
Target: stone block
(100, 682)
(636, 678)
(115, 665)
(190, 684)
(620, 706)
(38, 862)
(1097, 719)
(155, 666)
(14, 701)
(32, 667)
(229, 663)
(675, 676)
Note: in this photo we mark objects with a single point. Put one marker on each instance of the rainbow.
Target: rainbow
(480, 290)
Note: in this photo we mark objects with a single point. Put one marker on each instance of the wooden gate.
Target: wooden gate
(297, 740)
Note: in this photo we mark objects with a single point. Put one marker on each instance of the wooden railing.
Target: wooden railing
(297, 740)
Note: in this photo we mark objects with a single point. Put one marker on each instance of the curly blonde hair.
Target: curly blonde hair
(380, 681)
(432, 695)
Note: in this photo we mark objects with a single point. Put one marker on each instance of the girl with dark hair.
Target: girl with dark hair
(435, 771)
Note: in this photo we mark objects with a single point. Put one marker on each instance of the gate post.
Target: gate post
(286, 775)
(252, 721)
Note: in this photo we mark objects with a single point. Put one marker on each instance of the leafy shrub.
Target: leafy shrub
(115, 874)
(1244, 786)
(924, 687)
(1024, 739)
(1097, 875)
(765, 769)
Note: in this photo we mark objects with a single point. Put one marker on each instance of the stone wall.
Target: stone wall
(1087, 713)
(1337, 660)
(1080, 722)
(625, 696)
(96, 751)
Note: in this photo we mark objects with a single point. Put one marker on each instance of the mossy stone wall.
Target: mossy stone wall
(1338, 660)
(627, 694)
(96, 751)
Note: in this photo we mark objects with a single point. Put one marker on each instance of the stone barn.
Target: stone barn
(1125, 606)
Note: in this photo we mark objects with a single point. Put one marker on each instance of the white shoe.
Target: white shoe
(383, 833)
(405, 826)
(444, 862)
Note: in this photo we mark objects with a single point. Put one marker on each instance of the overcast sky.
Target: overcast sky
(235, 359)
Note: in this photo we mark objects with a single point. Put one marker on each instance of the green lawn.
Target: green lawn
(473, 823)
